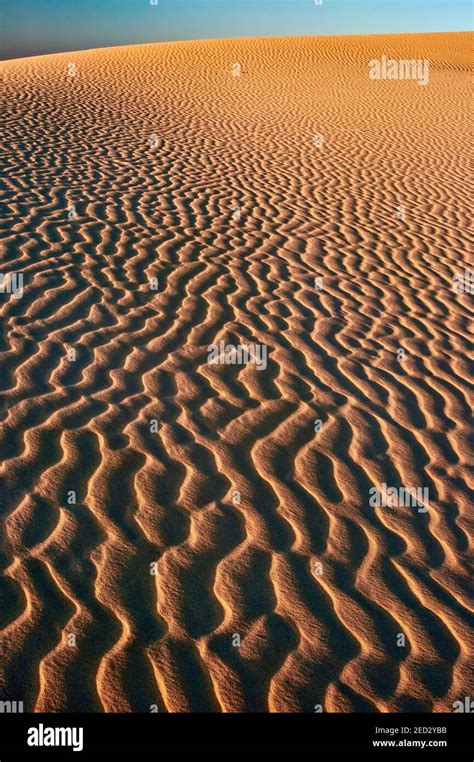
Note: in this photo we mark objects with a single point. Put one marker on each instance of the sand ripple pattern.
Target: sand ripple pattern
(81, 572)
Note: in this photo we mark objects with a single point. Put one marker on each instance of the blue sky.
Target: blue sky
(30, 27)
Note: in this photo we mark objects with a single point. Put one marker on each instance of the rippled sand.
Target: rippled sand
(253, 186)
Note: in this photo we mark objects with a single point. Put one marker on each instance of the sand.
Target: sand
(136, 554)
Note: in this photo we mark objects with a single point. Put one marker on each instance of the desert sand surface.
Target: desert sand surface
(134, 554)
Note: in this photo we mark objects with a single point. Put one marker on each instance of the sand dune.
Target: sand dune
(172, 167)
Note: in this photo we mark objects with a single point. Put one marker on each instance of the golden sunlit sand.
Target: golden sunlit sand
(136, 555)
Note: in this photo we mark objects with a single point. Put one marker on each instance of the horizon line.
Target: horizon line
(236, 39)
